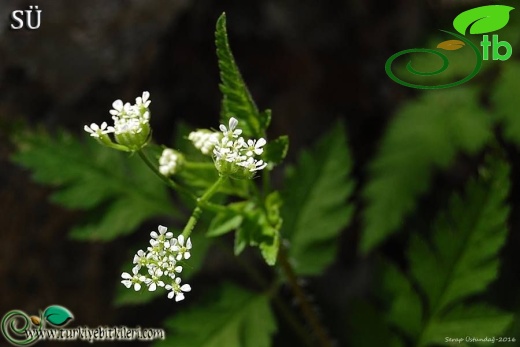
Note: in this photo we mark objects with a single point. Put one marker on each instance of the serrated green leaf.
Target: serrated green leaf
(237, 101)
(236, 318)
(483, 19)
(505, 100)
(476, 321)
(426, 135)
(405, 311)
(57, 315)
(87, 176)
(316, 205)
(276, 150)
(270, 244)
(462, 259)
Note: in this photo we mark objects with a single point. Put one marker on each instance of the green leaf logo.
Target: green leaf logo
(482, 20)
(57, 315)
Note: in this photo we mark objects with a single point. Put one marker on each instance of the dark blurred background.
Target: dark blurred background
(311, 62)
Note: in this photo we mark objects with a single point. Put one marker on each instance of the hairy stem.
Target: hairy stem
(307, 310)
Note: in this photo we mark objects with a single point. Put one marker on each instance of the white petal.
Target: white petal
(127, 283)
(187, 255)
(261, 142)
(178, 280)
(186, 288)
(154, 234)
(181, 240)
(179, 297)
(87, 129)
(117, 105)
(223, 128)
(126, 275)
(162, 229)
(188, 243)
(152, 287)
(170, 295)
(233, 122)
(137, 287)
(146, 96)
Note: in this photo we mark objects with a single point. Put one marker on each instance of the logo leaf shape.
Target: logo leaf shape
(483, 19)
(57, 315)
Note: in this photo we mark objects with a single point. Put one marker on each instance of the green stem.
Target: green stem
(194, 218)
(165, 179)
(199, 165)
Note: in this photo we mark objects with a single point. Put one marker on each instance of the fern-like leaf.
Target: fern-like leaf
(316, 205)
(236, 318)
(426, 135)
(459, 261)
(237, 101)
(88, 175)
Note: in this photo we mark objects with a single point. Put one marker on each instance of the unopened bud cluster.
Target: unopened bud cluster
(159, 265)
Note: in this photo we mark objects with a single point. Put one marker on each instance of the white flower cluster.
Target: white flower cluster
(233, 155)
(131, 125)
(160, 264)
(205, 140)
(169, 162)
(232, 152)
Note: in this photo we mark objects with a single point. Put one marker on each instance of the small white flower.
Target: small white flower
(163, 234)
(136, 279)
(143, 101)
(96, 131)
(252, 164)
(140, 258)
(231, 132)
(183, 251)
(177, 290)
(255, 146)
(155, 279)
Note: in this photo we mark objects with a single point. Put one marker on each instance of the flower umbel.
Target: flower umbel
(131, 127)
(235, 156)
(159, 265)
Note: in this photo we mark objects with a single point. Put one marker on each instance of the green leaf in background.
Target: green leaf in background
(457, 263)
(57, 315)
(276, 150)
(316, 207)
(405, 311)
(236, 318)
(462, 258)
(237, 101)
(504, 97)
(483, 19)
(425, 135)
(223, 223)
(87, 176)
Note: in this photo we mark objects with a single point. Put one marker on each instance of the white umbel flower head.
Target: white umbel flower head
(170, 162)
(234, 156)
(160, 264)
(131, 127)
